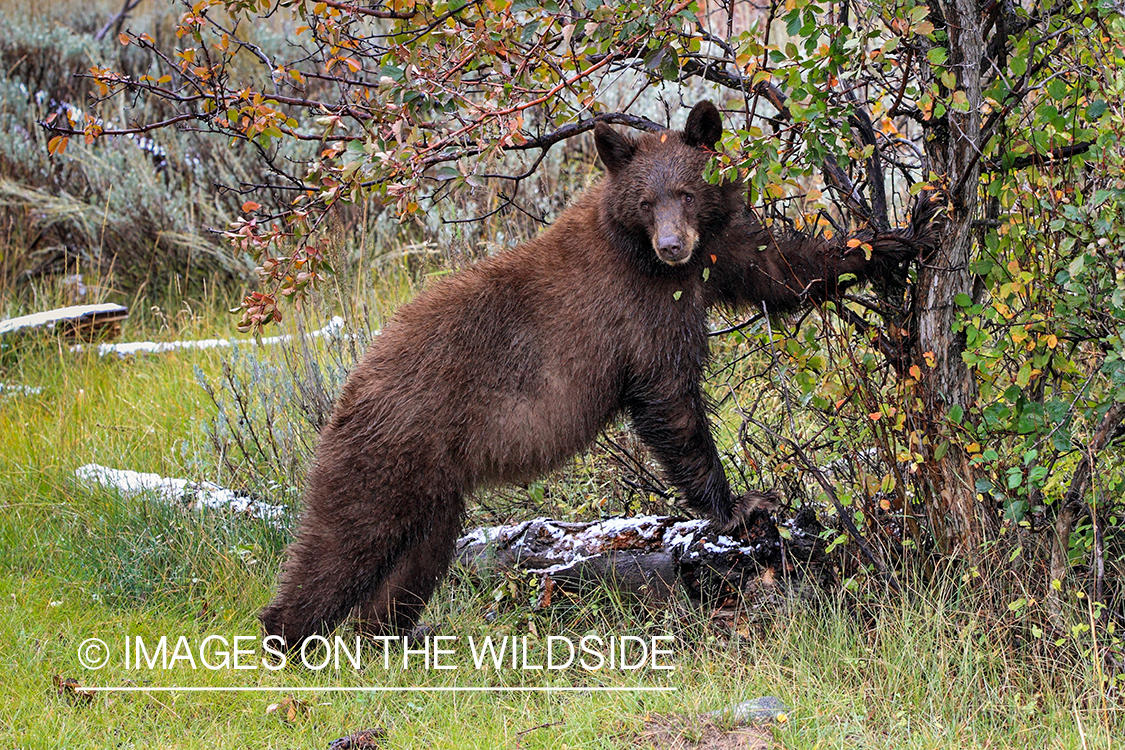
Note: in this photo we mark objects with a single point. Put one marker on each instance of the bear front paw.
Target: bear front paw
(747, 507)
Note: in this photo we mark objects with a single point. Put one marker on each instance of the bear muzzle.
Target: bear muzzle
(675, 249)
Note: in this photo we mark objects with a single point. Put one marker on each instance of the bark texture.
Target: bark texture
(959, 523)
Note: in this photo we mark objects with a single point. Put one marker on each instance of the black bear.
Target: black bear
(509, 367)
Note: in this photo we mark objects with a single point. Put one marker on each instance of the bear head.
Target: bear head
(655, 187)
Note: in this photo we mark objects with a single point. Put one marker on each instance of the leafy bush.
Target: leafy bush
(269, 405)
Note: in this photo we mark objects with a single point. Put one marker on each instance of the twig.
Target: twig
(117, 20)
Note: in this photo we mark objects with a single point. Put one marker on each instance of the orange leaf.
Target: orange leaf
(249, 206)
(57, 145)
(123, 38)
(874, 416)
(915, 371)
(853, 242)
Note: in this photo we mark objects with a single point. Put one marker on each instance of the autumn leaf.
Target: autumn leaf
(289, 709)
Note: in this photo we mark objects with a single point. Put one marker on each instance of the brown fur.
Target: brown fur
(788, 271)
(511, 366)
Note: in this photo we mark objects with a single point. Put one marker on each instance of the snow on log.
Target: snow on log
(646, 555)
(334, 326)
(79, 321)
(174, 491)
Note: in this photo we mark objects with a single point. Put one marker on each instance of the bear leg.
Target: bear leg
(330, 569)
(677, 431)
(403, 594)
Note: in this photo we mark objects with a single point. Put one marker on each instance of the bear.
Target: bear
(511, 366)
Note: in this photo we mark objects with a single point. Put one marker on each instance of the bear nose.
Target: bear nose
(670, 246)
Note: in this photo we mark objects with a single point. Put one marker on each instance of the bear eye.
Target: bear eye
(688, 197)
(646, 206)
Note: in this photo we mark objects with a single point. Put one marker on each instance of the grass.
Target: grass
(927, 671)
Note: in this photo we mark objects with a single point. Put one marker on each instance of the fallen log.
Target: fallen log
(82, 322)
(184, 493)
(650, 557)
(334, 327)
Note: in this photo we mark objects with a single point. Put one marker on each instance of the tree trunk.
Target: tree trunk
(958, 521)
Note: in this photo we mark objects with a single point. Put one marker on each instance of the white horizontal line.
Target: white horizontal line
(375, 689)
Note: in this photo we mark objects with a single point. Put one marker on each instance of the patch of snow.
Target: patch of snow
(485, 535)
(679, 537)
(794, 528)
(719, 547)
(154, 347)
(195, 495)
(564, 566)
(16, 389)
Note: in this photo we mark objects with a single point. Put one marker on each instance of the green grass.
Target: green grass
(929, 671)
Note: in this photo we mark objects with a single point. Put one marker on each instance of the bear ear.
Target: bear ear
(616, 150)
(704, 126)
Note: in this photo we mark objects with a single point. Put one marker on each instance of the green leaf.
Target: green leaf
(1018, 64)
(1076, 266)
